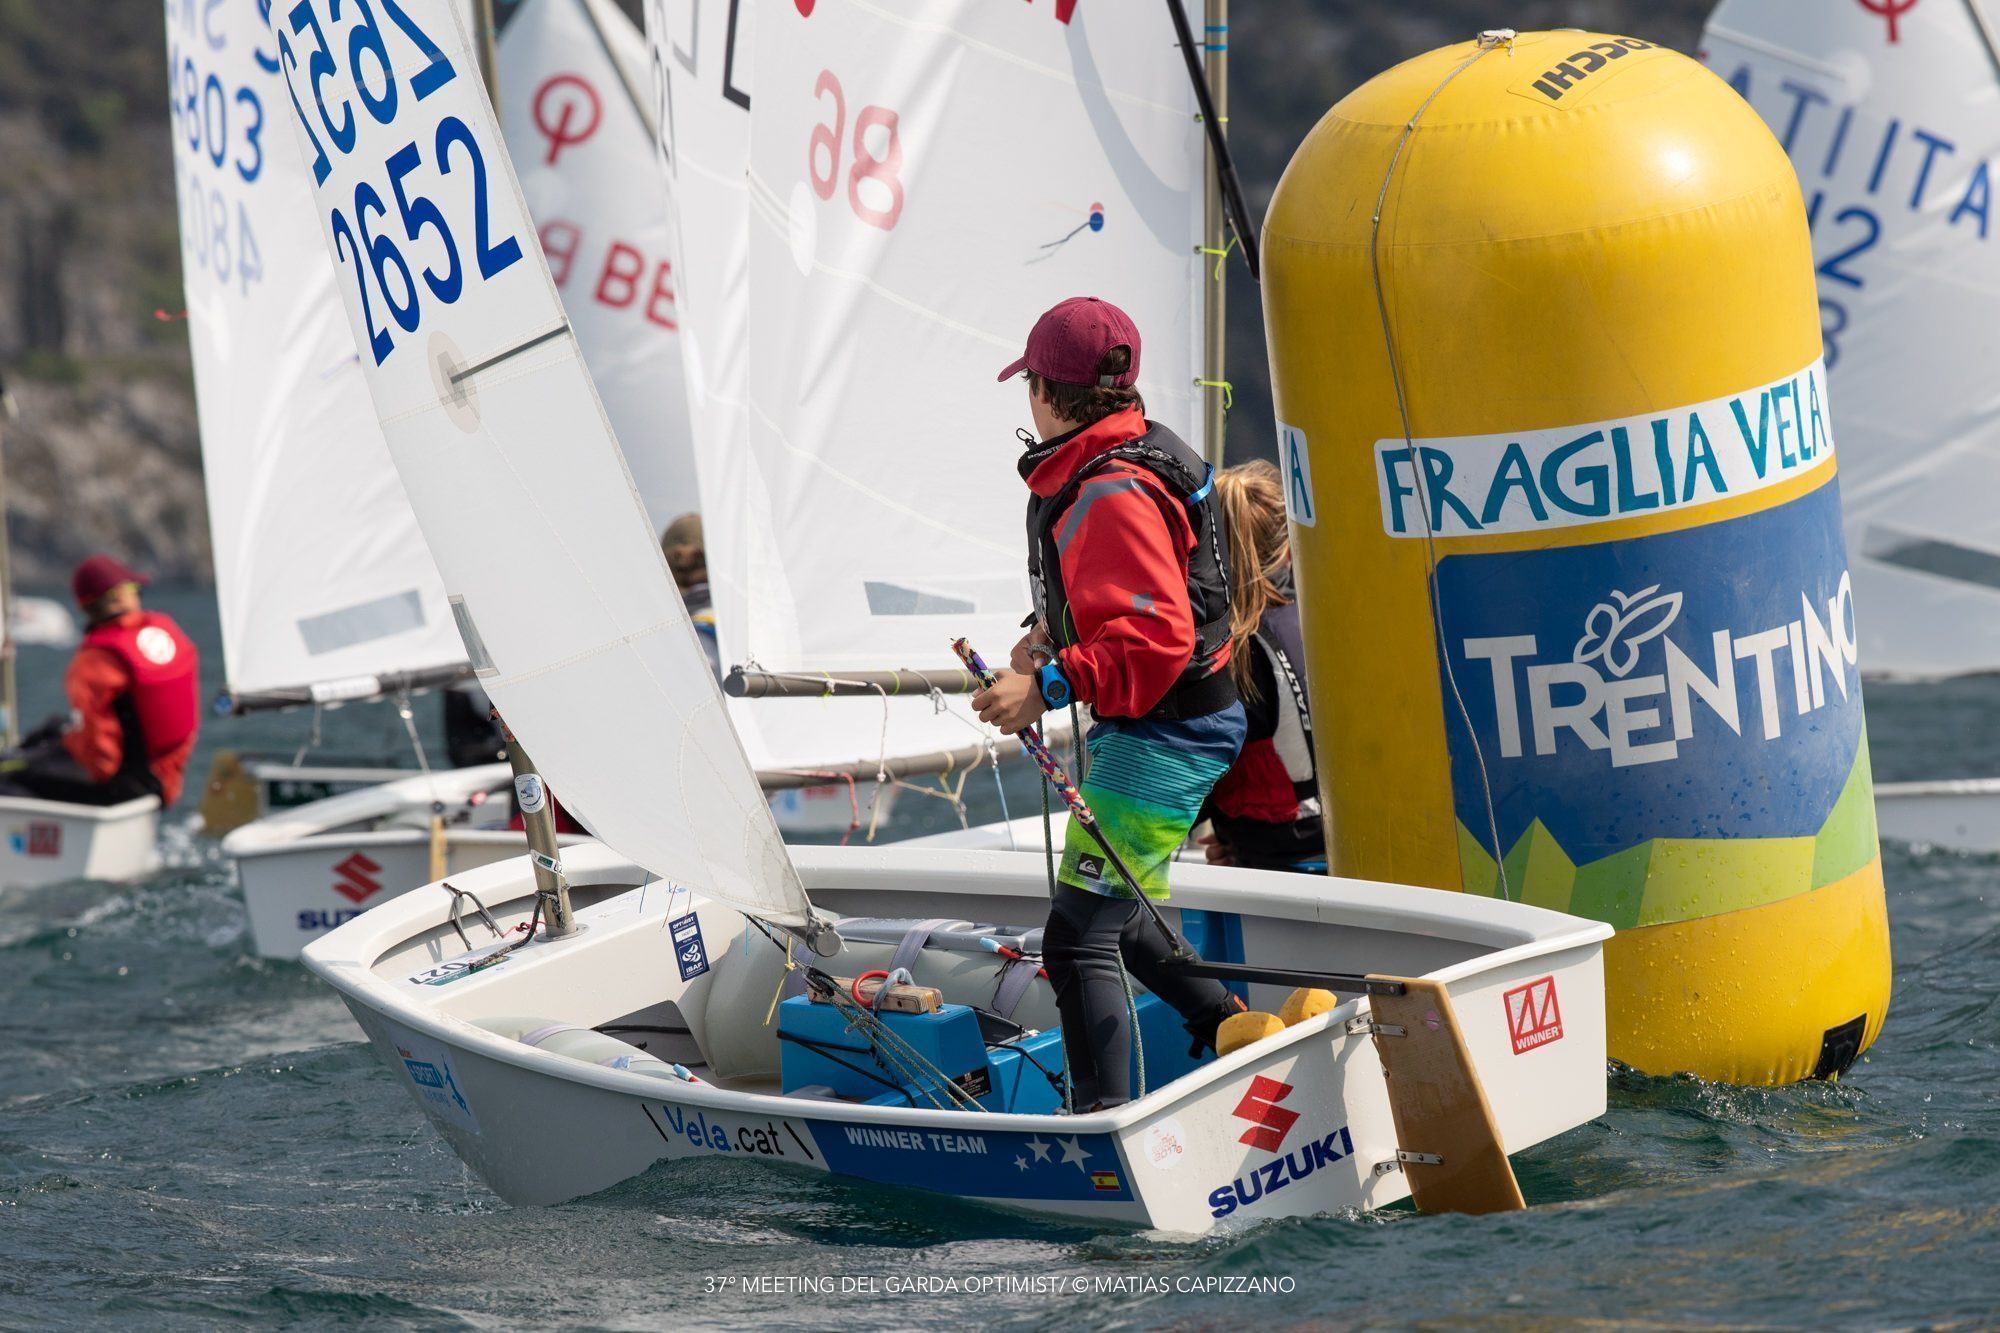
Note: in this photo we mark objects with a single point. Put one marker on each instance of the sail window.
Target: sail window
(363, 622)
(942, 597)
(475, 647)
(1932, 555)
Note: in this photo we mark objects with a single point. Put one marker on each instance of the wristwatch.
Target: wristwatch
(1055, 687)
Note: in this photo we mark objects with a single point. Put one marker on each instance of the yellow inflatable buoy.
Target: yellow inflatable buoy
(1302, 1004)
(1560, 466)
(1241, 1029)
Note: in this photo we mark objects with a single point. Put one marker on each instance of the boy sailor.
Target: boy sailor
(1130, 573)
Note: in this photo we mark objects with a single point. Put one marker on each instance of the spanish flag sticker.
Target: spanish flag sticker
(1105, 1180)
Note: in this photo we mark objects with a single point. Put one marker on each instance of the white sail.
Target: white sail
(555, 573)
(927, 177)
(321, 575)
(854, 452)
(701, 57)
(585, 158)
(1891, 114)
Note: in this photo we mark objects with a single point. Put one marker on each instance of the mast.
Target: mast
(1209, 73)
(539, 822)
(639, 103)
(489, 63)
(10, 712)
(1215, 324)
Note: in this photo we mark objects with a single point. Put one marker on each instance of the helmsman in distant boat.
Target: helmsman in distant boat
(1130, 570)
(134, 696)
(687, 560)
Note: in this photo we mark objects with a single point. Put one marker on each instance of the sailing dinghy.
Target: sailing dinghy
(1891, 114)
(327, 592)
(46, 842)
(503, 999)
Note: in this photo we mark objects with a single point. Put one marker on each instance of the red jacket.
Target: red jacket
(100, 676)
(1125, 569)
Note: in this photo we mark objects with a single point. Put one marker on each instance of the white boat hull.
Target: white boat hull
(48, 842)
(542, 1128)
(831, 809)
(306, 870)
(1960, 816)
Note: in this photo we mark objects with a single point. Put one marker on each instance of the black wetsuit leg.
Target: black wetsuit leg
(50, 774)
(1089, 936)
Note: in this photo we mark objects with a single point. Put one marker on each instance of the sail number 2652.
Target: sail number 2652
(364, 236)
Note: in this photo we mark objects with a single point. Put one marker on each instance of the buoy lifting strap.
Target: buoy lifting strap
(1493, 40)
(1987, 37)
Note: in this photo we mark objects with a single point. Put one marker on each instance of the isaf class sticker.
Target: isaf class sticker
(690, 954)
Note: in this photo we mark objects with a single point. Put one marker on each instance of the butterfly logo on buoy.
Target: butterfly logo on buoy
(1614, 631)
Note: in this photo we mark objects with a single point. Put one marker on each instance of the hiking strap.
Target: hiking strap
(914, 941)
(1016, 976)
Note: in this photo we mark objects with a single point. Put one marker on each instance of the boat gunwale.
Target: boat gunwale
(90, 814)
(285, 830)
(359, 985)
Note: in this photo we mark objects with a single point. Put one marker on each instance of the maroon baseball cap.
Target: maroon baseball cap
(1072, 337)
(99, 574)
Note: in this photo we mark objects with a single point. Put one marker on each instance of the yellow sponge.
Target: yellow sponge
(1302, 1004)
(1239, 1030)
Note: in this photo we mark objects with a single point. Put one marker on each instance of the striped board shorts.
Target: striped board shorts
(1146, 783)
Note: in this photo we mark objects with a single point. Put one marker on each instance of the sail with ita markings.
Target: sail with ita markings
(1891, 115)
(325, 587)
(554, 572)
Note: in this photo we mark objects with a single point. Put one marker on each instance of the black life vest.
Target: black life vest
(1205, 686)
(1279, 636)
(1267, 806)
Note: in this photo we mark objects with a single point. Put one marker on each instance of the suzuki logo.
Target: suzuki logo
(1532, 1016)
(1269, 1122)
(354, 879)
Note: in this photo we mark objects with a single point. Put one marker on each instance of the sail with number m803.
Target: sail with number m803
(554, 572)
(323, 582)
(1891, 115)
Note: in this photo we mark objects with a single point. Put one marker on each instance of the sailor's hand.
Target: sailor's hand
(1219, 852)
(1033, 644)
(1012, 702)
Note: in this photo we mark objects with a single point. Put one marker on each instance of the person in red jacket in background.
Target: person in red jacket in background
(134, 697)
(1130, 570)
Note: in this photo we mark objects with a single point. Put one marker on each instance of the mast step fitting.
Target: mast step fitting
(1402, 1156)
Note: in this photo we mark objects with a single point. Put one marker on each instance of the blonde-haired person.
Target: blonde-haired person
(1265, 811)
(687, 561)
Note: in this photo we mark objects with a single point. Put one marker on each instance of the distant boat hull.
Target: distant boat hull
(309, 869)
(541, 1128)
(1960, 815)
(43, 622)
(48, 842)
